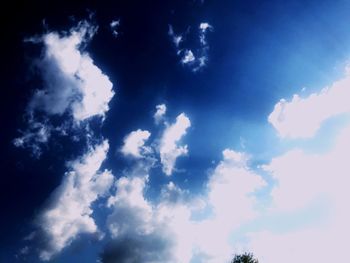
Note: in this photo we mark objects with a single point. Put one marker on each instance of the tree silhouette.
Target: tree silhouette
(244, 258)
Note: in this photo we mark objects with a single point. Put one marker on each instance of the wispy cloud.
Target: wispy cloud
(194, 58)
(34, 137)
(114, 25)
(176, 38)
(203, 28)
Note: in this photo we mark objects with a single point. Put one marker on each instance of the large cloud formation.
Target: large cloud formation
(75, 90)
(179, 226)
(306, 216)
(167, 230)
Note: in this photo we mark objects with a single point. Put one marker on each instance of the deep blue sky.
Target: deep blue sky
(259, 52)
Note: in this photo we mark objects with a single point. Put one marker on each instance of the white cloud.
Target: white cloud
(208, 227)
(34, 137)
(188, 57)
(172, 193)
(203, 27)
(232, 178)
(114, 26)
(72, 85)
(70, 212)
(194, 58)
(129, 195)
(169, 149)
(230, 193)
(138, 235)
(160, 113)
(144, 231)
(177, 39)
(134, 143)
(311, 175)
(302, 117)
(307, 180)
(310, 245)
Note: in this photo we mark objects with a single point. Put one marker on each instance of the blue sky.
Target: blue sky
(175, 132)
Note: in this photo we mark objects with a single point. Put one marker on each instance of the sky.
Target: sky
(175, 131)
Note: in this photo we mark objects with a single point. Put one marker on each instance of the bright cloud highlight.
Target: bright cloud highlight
(169, 149)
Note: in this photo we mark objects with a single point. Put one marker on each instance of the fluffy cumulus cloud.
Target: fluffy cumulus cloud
(169, 147)
(194, 58)
(70, 213)
(160, 113)
(72, 83)
(302, 117)
(134, 144)
(166, 231)
(138, 236)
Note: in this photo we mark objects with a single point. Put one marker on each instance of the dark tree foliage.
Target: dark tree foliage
(244, 258)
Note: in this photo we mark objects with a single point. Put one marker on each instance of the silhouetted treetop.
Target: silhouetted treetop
(244, 258)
